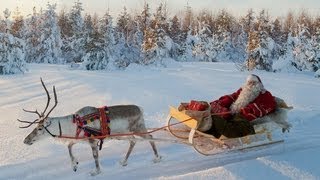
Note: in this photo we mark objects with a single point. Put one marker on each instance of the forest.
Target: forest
(254, 40)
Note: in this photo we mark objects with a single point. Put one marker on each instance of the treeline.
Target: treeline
(254, 41)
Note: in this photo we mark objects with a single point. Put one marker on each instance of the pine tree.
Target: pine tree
(124, 39)
(18, 26)
(260, 45)
(188, 36)
(289, 25)
(107, 31)
(12, 57)
(305, 58)
(50, 43)
(64, 25)
(176, 34)
(74, 48)
(247, 23)
(95, 56)
(204, 46)
(224, 23)
(278, 36)
(32, 38)
(163, 41)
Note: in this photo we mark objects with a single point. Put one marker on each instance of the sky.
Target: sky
(237, 7)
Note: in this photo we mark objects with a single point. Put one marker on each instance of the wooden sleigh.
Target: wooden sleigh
(184, 128)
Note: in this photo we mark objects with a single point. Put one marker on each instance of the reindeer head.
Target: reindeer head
(42, 121)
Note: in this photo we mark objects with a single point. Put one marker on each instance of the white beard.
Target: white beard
(246, 96)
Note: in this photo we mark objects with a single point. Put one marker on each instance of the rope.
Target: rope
(131, 134)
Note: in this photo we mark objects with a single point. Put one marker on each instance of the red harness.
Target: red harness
(101, 115)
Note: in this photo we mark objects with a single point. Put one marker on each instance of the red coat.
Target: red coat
(261, 106)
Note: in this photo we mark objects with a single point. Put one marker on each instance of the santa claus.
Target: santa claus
(251, 101)
(231, 114)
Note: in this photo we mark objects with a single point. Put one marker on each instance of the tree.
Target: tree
(157, 44)
(74, 47)
(289, 25)
(260, 45)
(93, 58)
(18, 26)
(12, 57)
(278, 36)
(32, 38)
(305, 57)
(50, 42)
(205, 49)
(176, 34)
(64, 24)
(247, 23)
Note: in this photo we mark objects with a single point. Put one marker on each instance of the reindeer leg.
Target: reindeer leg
(74, 161)
(124, 161)
(153, 145)
(95, 154)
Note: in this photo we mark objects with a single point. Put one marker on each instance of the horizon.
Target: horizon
(237, 8)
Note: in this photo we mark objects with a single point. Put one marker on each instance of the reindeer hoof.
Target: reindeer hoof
(75, 166)
(95, 172)
(123, 163)
(157, 159)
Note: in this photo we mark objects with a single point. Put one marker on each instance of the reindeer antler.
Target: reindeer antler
(55, 101)
(42, 115)
(36, 112)
(30, 123)
(48, 96)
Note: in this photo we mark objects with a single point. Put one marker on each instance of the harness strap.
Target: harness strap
(104, 123)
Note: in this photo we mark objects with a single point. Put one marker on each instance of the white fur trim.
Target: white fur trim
(252, 78)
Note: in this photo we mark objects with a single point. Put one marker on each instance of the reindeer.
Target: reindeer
(123, 119)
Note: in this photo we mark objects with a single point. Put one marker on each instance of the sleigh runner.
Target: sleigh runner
(207, 144)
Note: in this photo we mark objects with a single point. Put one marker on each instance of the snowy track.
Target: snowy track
(154, 90)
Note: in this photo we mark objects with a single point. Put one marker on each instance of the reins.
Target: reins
(123, 134)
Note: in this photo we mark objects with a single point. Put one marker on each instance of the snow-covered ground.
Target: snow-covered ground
(154, 89)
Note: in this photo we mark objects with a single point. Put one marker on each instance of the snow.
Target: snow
(154, 89)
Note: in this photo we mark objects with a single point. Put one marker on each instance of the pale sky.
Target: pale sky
(237, 7)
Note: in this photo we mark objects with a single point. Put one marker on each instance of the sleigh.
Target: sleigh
(185, 128)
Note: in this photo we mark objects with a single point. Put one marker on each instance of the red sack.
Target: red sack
(198, 105)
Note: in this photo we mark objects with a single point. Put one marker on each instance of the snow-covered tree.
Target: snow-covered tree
(305, 55)
(33, 37)
(260, 45)
(163, 41)
(107, 31)
(124, 39)
(224, 29)
(18, 25)
(278, 36)
(50, 41)
(74, 47)
(12, 57)
(95, 57)
(205, 49)
(176, 34)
